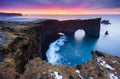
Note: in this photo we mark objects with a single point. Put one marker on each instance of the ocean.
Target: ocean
(67, 51)
(73, 53)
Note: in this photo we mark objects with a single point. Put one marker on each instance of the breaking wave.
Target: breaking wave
(52, 56)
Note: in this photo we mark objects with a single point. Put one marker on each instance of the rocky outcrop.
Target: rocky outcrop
(50, 28)
(10, 14)
(23, 47)
(106, 22)
(18, 47)
(103, 66)
(38, 69)
(90, 26)
(7, 71)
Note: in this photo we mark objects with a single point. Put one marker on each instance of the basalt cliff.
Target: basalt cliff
(23, 47)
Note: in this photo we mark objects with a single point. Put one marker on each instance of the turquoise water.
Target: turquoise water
(70, 52)
(73, 53)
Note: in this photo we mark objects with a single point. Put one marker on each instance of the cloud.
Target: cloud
(90, 4)
(41, 1)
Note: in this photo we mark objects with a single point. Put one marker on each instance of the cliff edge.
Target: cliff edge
(22, 53)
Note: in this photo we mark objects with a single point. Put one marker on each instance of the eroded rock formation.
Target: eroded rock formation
(101, 67)
(90, 26)
(50, 28)
(23, 46)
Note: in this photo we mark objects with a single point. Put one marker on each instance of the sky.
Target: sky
(60, 6)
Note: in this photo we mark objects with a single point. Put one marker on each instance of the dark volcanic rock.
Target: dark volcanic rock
(97, 54)
(105, 22)
(90, 26)
(50, 28)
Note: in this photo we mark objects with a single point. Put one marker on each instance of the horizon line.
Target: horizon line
(65, 13)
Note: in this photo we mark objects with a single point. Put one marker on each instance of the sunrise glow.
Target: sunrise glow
(59, 7)
(57, 11)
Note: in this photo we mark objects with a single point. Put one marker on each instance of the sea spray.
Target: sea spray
(52, 55)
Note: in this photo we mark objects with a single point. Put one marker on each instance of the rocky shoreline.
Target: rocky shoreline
(23, 47)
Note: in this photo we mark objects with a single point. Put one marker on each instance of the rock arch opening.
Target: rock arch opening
(79, 34)
(50, 28)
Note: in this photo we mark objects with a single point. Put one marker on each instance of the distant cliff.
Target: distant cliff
(10, 14)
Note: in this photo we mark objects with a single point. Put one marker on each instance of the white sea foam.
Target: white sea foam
(52, 55)
(60, 33)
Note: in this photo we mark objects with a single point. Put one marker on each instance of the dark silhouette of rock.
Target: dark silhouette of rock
(105, 22)
(10, 14)
(106, 33)
(50, 28)
(90, 26)
(97, 54)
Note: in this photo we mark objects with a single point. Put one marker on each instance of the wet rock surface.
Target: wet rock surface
(22, 56)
